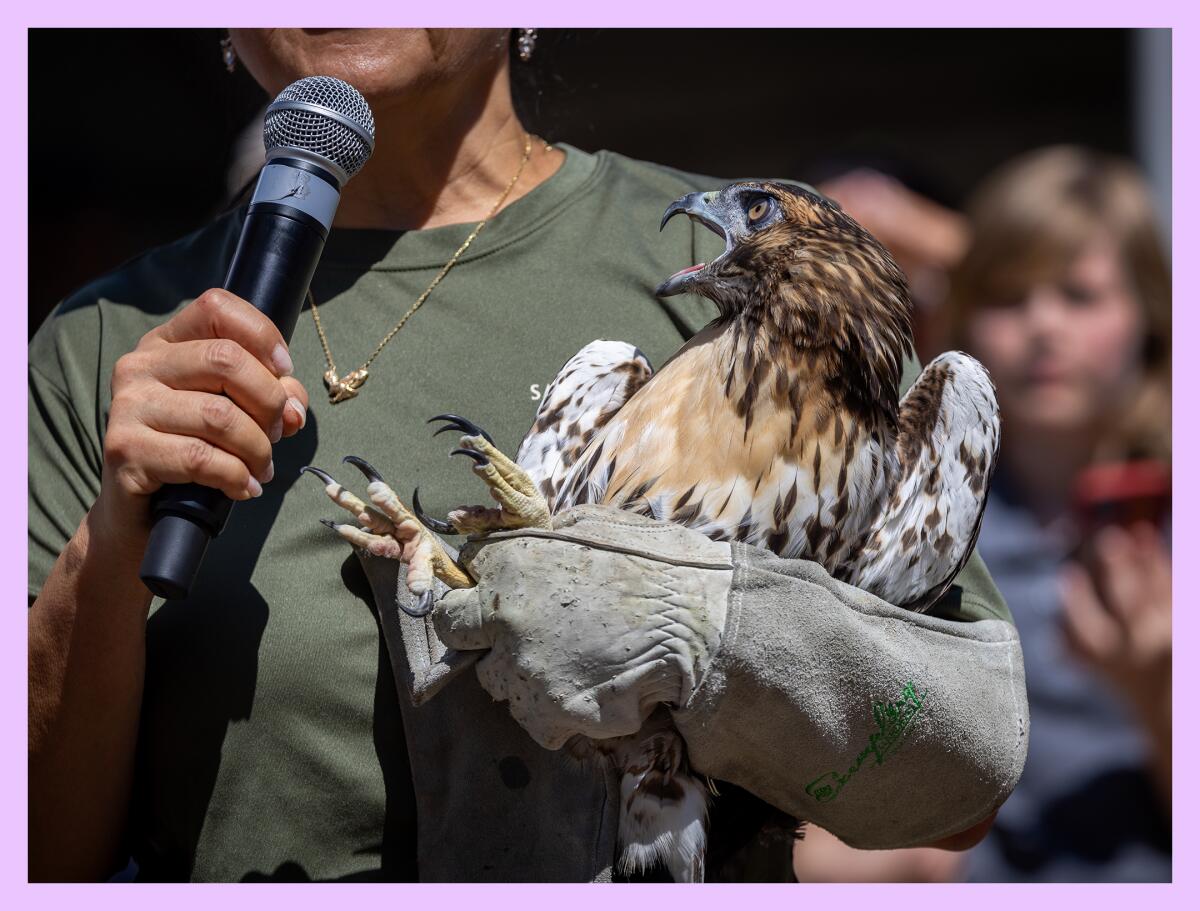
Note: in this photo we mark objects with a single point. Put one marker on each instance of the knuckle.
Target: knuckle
(132, 480)
(219, 414)
(261, 329)
(223, 356)
(117, 446)
(211, 301)
(197, 456)
(149, 338)
(125, 369)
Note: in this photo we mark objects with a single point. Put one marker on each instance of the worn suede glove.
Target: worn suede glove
(592, 624)
(889, 728)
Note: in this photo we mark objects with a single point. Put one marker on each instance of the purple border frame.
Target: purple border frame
(1181, 16)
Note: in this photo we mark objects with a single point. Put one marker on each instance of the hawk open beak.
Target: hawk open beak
(710, 210)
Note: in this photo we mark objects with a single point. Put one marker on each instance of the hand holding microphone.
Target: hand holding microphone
(199, 403)
(200, 400)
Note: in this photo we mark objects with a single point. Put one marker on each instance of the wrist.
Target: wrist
(118, 523)
(109, 545)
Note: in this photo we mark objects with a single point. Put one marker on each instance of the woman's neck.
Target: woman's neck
(444, 159)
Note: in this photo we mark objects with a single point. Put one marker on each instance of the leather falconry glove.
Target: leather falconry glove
(592, 624)
(888, 727)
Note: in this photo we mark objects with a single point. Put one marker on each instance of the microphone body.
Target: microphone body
(277, 253)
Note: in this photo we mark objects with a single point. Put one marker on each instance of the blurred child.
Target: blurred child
(1064, 294)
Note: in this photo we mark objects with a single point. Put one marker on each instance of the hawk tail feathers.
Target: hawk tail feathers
(663, 819)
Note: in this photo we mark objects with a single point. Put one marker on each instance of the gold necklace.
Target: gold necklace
(346, 387)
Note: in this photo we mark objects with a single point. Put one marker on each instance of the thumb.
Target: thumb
(459, 620)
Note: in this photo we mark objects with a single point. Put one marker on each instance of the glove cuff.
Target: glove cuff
(887, 727)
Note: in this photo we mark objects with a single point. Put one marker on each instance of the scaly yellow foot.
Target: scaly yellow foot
(521, 504)
(391, 530)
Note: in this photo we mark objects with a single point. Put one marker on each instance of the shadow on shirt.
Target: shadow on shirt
(201, 674)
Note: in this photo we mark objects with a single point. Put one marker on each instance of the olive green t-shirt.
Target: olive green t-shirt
(271, 743)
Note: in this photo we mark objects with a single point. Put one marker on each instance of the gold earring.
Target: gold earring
(228, 54)
(526, 39)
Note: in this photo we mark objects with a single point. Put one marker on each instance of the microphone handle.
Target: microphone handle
(275, 259)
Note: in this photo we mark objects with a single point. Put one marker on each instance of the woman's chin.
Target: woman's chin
(383, 64)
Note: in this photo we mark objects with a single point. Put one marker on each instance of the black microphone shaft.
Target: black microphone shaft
(275, 259)
(274, 264)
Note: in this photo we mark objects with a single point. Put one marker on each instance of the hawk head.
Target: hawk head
(802, 269)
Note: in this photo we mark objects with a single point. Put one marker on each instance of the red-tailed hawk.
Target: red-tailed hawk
(780, 424)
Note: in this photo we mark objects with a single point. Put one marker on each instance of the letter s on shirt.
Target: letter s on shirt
(535, 392)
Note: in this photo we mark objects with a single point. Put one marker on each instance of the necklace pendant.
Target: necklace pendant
(346, 387)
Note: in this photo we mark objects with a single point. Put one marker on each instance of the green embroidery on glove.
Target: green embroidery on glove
(893, 720)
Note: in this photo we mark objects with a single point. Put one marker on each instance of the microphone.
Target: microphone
(318, 134)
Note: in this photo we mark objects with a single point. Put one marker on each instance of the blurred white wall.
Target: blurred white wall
(1152, 113)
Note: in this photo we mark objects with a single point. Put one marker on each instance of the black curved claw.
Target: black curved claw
(323, 475)
(455, 422)
(478, 457)
(365, 467)
(424, 606)
(329, 523)
(430, 522)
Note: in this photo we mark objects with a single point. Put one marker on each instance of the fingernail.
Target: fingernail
(282, 361)
(254, 488)
(299, 409)
(276, 433)
(269, 474)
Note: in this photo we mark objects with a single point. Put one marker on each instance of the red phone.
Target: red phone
(1121, 493)
(1118, 493)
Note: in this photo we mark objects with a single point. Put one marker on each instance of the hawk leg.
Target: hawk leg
(521, 504)
(391, 530)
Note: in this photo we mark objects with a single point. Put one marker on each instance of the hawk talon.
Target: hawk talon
(428, 521)
(325, 477)
(456, 422)
(521, 504)
(424, 606)
(388, 533)
(479, 458)
(364, 466)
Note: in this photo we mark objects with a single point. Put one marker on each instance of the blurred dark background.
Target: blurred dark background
(114, 113)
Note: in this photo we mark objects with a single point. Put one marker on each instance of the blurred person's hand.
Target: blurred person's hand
(1117, 620)
(821, 857)
(201, 399)
(913, 228)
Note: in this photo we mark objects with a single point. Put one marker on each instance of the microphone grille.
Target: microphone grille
(323, 117)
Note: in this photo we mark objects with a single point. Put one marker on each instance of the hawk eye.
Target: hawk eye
(759, 210)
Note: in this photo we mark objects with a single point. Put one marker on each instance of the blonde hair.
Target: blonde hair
(1036, 215)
